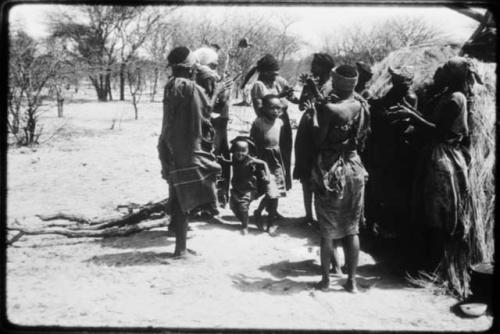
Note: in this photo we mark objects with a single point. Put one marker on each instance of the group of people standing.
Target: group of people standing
(330, 155)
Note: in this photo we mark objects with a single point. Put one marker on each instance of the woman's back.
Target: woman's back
(341, 120)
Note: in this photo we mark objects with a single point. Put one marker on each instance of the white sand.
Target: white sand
(253, 281)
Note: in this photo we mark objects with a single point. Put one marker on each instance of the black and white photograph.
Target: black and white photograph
(244, 166)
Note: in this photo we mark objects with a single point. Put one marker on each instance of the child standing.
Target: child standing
(266, 131)
(249, 181)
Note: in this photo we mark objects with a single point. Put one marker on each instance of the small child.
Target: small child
(249, 181)
(266, 131)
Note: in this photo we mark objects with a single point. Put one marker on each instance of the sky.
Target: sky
(312, 23)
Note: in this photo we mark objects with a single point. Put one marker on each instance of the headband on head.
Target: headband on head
(268, 63)
(265, 64)
(323, 60)
(181, 57)
(344, 79)
(404, 73)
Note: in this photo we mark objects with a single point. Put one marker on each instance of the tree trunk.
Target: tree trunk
(60, 103)
(108, 84)
(15, 122)
(155, 84)
(122, 82)
(99, 88)
(134, 102)
(30, 127)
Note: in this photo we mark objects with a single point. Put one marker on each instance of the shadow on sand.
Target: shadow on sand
(292, 269)
(132, 259)
(145, 239)
(284, 286)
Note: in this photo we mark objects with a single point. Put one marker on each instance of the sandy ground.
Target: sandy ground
(235, 281)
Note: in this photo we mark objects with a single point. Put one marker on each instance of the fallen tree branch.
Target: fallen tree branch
(65, 216)
(15, 238)
(157, 209)
(90, 233)
(145, 218)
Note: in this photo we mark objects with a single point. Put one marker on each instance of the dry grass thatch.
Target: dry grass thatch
(482, 118)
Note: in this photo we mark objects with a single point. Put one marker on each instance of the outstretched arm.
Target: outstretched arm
(320, 131)
(404, 110)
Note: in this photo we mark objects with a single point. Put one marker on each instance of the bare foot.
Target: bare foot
(193, 252)
(322, 285)
(306, 221)
(336, 271)
(278, 216)
(272, 230)
(185, 254)
(180, 253)
(351, 286)
(257, 216)
(244, 231)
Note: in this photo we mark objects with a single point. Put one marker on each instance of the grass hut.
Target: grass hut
(482, 117)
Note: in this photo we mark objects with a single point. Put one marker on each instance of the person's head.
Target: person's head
(206, 56)
(206, 78)
(365, 74)
(457, 74)
(241, 150)
(268, 68)
(241, 147)
(272, 107)
(322, 64)
(182, 61)
(401, 77)
(344, 80)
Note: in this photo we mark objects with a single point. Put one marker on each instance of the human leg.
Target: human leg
(351, 250)
(272, 207)
(336, 263)
(180, 221)
(244, 222)
(325, 254)
(307, 198)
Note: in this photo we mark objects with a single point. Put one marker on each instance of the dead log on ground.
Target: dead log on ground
(87, 233)
(144, 218)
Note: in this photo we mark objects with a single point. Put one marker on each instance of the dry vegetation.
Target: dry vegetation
(482, 116)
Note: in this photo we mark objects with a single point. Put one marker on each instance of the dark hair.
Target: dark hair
(178, 55)
(347, 71)
(238, 139)
(266, 100)
(323, 60)
(265, 64)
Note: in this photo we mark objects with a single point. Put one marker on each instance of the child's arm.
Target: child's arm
(221, 158)
(262, 168)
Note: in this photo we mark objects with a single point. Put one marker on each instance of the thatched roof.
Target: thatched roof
(482, 118)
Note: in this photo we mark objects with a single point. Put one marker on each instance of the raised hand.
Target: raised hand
(303, 78)
(400, 112)
(309, 105)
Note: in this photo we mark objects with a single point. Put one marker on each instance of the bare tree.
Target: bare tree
(133, 34)
(93, 41)
(68, 73)
(30, 70)
(136, 82)
(370, 46)
(287, 43)
(157, 48)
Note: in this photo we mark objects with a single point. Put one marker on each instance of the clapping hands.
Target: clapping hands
(306, 79)
(401, 111)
